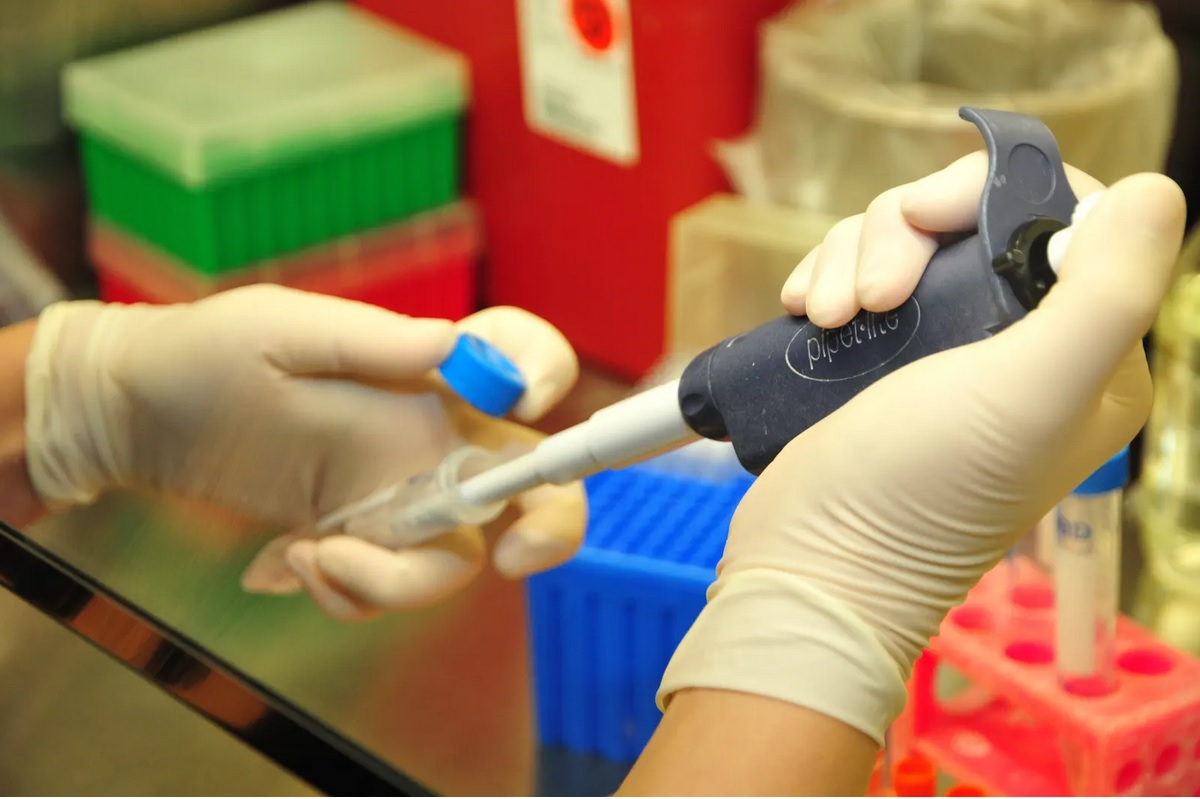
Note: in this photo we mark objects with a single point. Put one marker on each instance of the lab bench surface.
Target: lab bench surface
(443, 695)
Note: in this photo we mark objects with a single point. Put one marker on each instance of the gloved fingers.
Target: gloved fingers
(897, 236)
(1115, 275)
(332, 599)
(548, 533)
(1131, 387)
(795, 289)
(1125, 405)
(948, 201)
(892, 254)
(832, 298)
(538, 349)
(269, 572)
(830, 301)
(343, 338)
(366, 576)
(1110, 424)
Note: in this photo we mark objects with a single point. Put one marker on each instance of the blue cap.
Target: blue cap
(482, 375)
(1112, 476)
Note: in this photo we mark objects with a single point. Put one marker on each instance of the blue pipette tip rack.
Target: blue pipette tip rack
(1112, 476)
(604, 624)
(483, 376)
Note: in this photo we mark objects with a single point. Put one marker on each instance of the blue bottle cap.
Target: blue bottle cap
(483, 376)
(1112, 476)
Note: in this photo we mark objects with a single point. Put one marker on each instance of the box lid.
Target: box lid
(248, 94)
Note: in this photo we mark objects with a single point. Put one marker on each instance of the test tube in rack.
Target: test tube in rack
(1087, 579)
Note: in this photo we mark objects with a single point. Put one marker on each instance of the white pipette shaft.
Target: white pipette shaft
(628, 431)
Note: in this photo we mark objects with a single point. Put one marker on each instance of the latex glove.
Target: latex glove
(284, 406)
(847, 553)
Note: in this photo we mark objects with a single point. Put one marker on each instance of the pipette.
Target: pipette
(763, 388)
(462, 490)
(1087, 579)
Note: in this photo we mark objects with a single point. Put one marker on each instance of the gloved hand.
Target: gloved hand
(285, 406)
(847, 553)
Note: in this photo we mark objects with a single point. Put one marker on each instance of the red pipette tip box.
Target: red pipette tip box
(425, 266)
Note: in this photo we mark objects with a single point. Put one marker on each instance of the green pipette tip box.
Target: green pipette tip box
(270, 134)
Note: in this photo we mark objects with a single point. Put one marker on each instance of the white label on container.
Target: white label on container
(577, 74)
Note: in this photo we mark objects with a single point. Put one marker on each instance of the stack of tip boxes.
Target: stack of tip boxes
(1015, 731)
(604, 625)
(316, 147)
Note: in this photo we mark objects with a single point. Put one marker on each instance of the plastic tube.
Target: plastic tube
(1046, 541)
(888, 757)
(626, 432)
(426, 505)
(473, 486)
(1030, 599)
(876, 786)
(1087, 571)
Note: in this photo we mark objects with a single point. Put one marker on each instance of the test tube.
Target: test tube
(1030, 597)
(887, 758)
(1046, 535)
(876, 786)
(425, 505)
(1087, 564)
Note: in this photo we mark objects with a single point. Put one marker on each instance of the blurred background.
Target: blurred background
(659, 163)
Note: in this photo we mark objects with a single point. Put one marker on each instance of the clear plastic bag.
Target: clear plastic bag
(858, 96)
